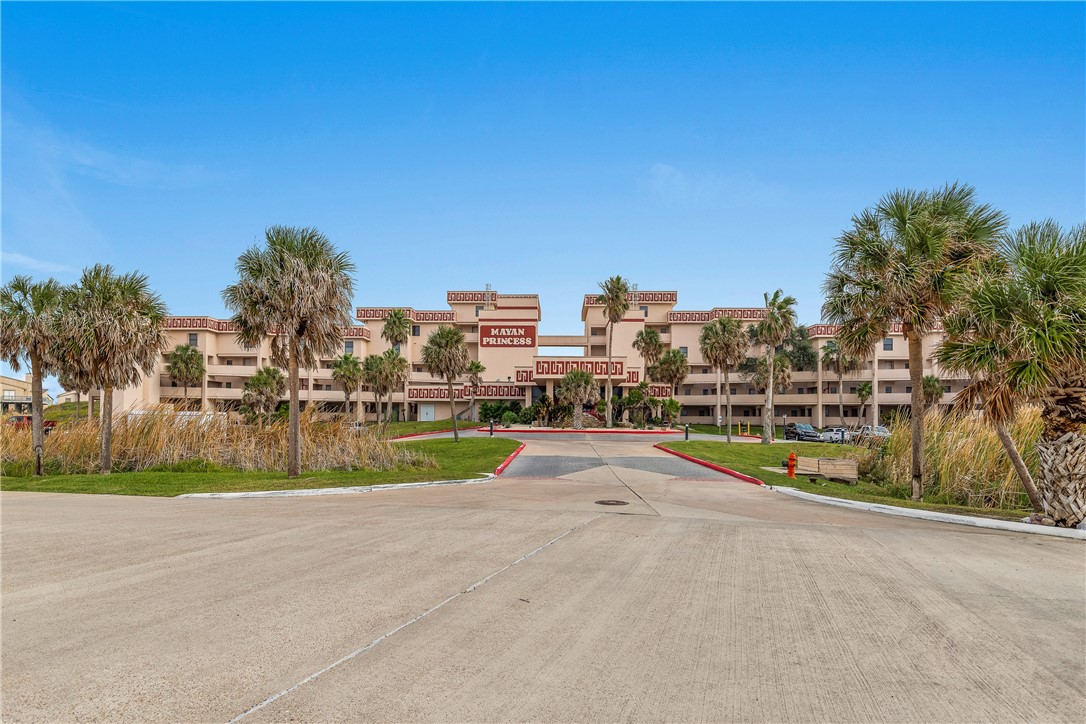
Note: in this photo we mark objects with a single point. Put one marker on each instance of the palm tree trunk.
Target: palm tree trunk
(36, 412)
(452, 411)
(718, 410)
(610, 338)
(578, 415)
(294, 467)
(107, 430)
(767, 414)
(474, 412)
(1020, 467)
(916, 413)
(728, 403)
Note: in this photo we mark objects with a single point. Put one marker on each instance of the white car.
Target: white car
(870, 432)
(835, 434)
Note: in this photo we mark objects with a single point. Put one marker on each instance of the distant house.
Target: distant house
(15, 395)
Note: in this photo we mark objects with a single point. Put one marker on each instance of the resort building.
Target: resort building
(15, 395)
(502, 332)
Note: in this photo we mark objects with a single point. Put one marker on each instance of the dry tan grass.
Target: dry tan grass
(964, 463)
(159, 438)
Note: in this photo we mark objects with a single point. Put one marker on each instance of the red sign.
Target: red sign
(492, 392)
(509, 334)
(559, 367)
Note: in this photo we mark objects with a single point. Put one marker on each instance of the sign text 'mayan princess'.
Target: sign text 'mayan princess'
(509, 334)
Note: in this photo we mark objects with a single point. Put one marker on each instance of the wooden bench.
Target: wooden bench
(837, 469)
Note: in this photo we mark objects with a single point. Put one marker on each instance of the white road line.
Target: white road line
(402, 626)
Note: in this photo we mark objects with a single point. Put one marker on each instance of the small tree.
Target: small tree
(185, 364)
(397, 332)
(863, 393)
(647, 343)
(835, 358)
(373, 377)
(262, 392)
(616, 302)
(673, 369)
(347, 371)
(27, 312)
(445, 355)
(772, 375)
(578, 388)
(672, 408)
(394, 372)
(475, 378)
(724, 345)
(772, 330)
(933, 390)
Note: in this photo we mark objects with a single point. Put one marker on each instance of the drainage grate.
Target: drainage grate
(611, 502)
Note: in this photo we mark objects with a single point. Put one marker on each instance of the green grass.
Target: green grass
(778, 431)
(66, 411)
(395, 429)
(467, 459)
(750, 458)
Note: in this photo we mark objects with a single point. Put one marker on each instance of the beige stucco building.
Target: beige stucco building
(15, 395)
(502, 332)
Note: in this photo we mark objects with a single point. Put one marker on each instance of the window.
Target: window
(705, 370)
(888, 389)
(852, 390)
(704, 391)
(645, 310)
(478, 308)
(890, 365)
(793, 414)
(685, 352)
(746, 413)
(396, 347)
(230, 362)
(734, 391)
(348, 347)
(228, 385)
(173, 383)
(946, 388)
(597, 331)
(663, 330)
(750, 390)
(193, 339)
(908, 390)
(888, 344)
(906, 364)
(687, 391)
(416, 331)
(833, 389)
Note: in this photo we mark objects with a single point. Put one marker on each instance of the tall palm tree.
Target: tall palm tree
(347, 371)
(778, 370)
(1020, 332)
(863, 394)
(445, 355)
(616, 302)
(297, 289)
(578, 388)
(835, 358)
(263, 391)
(647, 343)
(111, 329)
(933, 390)
(27, 309)
(373, 377)
(397, 332)
(672, 369)
(475, 378)
(724, 344)
(185, 364)
(771, 331)
(899, 263)
(394, 371)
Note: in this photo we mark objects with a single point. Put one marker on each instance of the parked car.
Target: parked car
(835, 434)
(801, 431)
(878, 433)
(26, 421)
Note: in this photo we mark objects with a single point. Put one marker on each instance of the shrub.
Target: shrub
(508, 418)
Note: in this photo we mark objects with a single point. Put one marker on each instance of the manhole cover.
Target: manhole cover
(611, 502)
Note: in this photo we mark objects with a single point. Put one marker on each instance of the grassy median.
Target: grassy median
(752, 458)
(467, 459)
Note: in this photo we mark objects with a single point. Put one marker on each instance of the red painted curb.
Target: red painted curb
(711, 466)
(501, 468)
(420, 434)
(590, 432)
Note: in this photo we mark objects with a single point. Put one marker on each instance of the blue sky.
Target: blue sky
(712, 149)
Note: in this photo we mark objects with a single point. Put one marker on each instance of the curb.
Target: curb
(992, 523)
(420, 434)
(512, 456)
(712, 466)
(337, 491)
(571, 431)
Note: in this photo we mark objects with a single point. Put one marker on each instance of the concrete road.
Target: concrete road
(524, 600)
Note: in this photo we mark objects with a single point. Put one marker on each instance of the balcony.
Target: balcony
(232, 370)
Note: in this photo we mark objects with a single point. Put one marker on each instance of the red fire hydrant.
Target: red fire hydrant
(791, 465)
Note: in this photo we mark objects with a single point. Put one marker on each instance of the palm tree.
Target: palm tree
(347, 371)
(475, 378)
(1020, 332)
(779, 370)
(724, 344)
(263, 391)
(672, 369)
(616, 302)
(394, 372)
(445, 355)
(297, 289)
(578, 388)
(933, 390)
(647, 343)
(771, 331)
(899, 263)
(863, 394)
(185, 364)
(111, 331)
(397, 332)
(835, 358)
(27, 309)
(373, 377)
